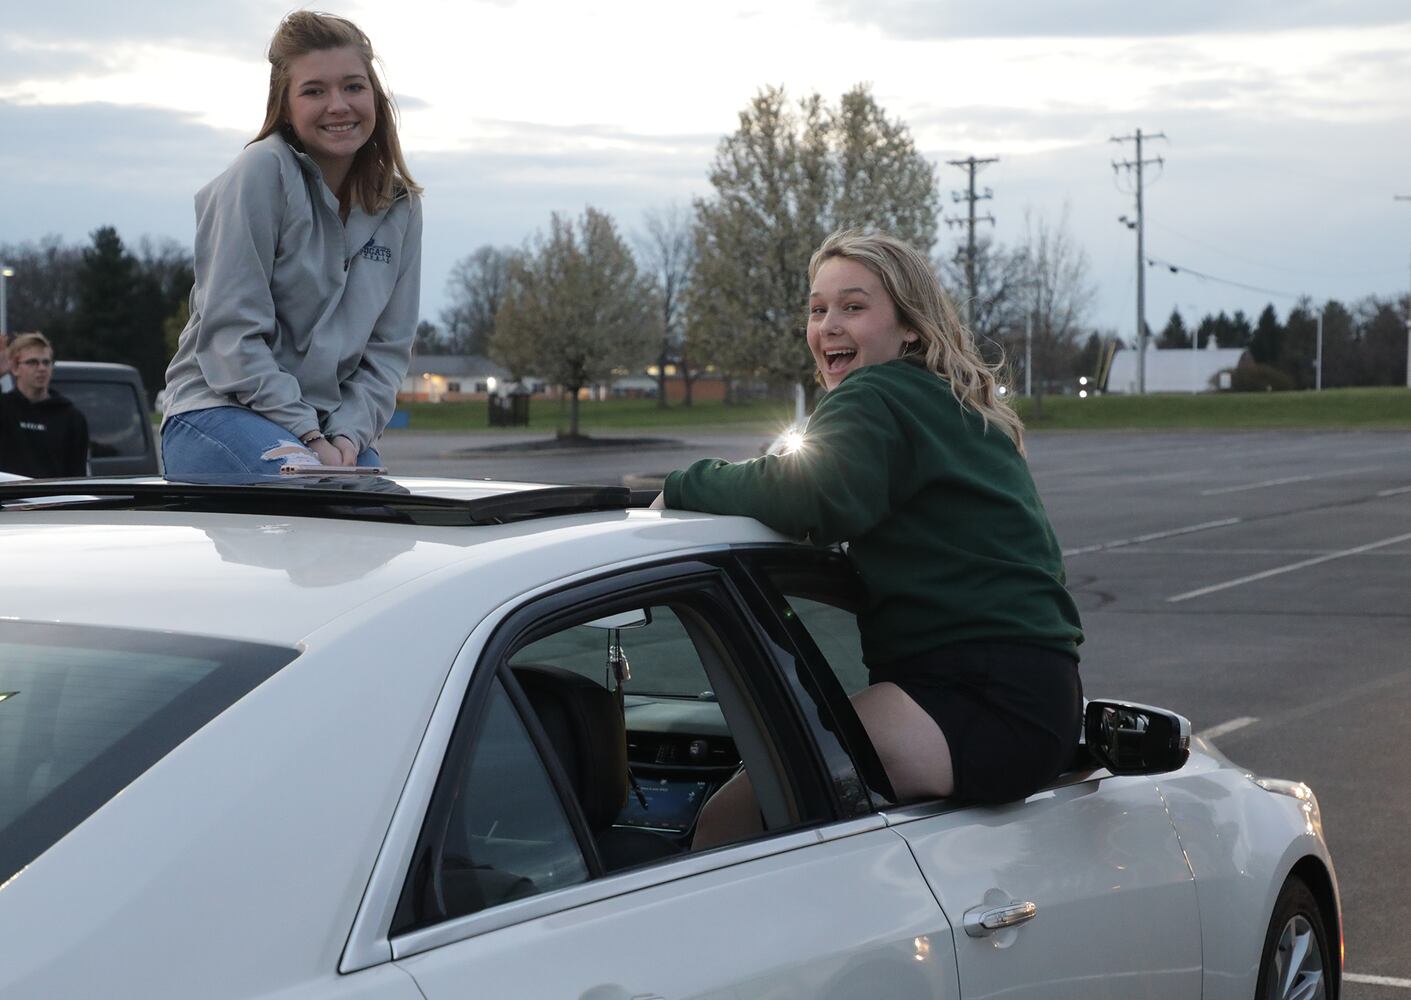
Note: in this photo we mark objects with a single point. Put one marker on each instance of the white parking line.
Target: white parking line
(1392, 493)
(1353, 977)
(1227, 727)
(1287, 569)
(1281, 482)
(1154, 536)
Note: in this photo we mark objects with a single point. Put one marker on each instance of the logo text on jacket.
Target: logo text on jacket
(374, 252)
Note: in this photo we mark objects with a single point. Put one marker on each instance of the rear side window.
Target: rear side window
(84, 711)
(115, 413)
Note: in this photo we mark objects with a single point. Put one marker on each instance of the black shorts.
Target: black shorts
(1011, 713)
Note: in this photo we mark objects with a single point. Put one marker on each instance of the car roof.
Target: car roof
(105, 371)
(220, 564)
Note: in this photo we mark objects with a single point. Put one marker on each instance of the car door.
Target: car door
(1114, 911)
(520, 886)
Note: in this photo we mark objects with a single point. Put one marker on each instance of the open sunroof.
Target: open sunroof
(371, 498)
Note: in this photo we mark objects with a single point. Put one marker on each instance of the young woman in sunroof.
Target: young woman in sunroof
(308, 271)
(914, 459)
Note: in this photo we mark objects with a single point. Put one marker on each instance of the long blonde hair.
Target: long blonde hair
(923, 307)
(379, 173)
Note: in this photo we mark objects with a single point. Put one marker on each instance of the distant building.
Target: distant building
(1176, 369)
(445, 378)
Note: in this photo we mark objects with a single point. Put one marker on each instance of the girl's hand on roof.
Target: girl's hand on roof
(347, 451)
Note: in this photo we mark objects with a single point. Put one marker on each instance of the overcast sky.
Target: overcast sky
(1288, 123)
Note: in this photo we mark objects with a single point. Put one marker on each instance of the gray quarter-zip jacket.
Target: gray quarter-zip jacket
(304, 319)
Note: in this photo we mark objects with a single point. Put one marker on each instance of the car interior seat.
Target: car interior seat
(585, 726)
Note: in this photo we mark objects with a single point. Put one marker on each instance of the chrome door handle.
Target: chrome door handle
(983, 920)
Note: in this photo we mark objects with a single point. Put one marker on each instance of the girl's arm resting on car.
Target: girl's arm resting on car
(836, 487)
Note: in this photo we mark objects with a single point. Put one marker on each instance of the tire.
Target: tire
(1297, 961)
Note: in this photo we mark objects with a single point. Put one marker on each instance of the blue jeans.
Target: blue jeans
(233, 439)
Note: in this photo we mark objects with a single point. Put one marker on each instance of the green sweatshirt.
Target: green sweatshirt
(940, 514)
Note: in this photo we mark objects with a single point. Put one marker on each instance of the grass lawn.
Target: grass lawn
(1332, 408)
(1379, 407)
(546, 416)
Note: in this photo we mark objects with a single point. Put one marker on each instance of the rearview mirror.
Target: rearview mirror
(1136, 739)
(628, 619)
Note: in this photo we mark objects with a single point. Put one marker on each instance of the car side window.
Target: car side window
(661, 656)
(640, 805)
(504, 834)
(833, 628)
(823, 594)
(610, 724)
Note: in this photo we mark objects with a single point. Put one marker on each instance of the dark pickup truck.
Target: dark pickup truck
(121, 441)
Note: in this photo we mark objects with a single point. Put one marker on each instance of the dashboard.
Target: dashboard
(680, 752)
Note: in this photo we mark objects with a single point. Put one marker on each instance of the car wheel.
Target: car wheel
(1296, 963)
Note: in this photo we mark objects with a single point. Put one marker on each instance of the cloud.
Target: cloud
(70, 169)
(937, 19)
(27, 62)
(82, 21)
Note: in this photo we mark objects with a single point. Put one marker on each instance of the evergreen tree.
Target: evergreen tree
(1238, 333)
(1268, 337)
(1341, 364)
(1207, 331)
(1296, 351)
(120, 311)
(1382, 343)
(1174, 334)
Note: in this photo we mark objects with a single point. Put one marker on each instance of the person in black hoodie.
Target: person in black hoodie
(42, 434)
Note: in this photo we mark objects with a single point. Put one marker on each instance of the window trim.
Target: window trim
(849, 738)
(369, 941)
(468, 725)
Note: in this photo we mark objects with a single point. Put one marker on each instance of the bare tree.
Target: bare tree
(997, 314)
(1060, 295)
(575, 308)
(668, 253)
(43, 294)
(476, 287)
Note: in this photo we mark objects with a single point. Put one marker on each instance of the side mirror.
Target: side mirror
(1136, 739)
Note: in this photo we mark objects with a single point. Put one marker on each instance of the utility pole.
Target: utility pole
(1407, 197)
(1136, 165)
(971, 165)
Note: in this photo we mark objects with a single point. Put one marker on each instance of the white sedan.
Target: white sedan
(355, 738)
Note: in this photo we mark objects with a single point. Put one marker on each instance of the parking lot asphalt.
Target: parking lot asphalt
(1257, 582)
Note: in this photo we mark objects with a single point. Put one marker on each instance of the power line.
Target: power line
(1136, 166)
(967, 256)
(1179, 269)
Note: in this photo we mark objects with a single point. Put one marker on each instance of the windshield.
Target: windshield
(115, 414)
(84, 711)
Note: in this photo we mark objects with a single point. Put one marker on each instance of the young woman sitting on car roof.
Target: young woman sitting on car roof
(914, 459)
(308, 262)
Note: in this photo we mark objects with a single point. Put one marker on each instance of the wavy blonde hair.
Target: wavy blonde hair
(379, 172)
(943, 342)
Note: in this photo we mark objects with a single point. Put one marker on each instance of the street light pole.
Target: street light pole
(1318, 357)
(5, 272)
(1195, 347)
(1028, 355)
(1407, 197)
